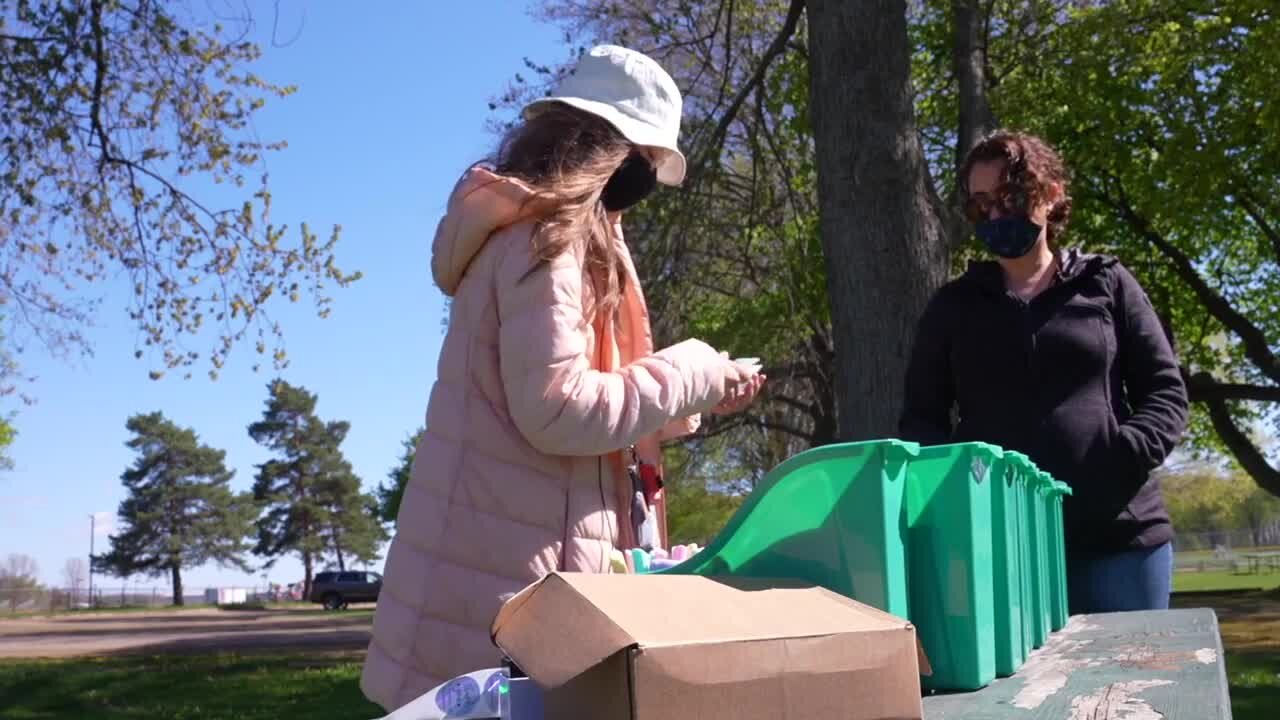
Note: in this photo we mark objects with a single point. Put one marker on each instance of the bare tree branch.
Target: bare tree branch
(776, 48)
(275, 27)
(34, 39)
(1251, 206)
(717, 429)
(1255, 343)
(99, 77)
(1202, 387)
(1245, 452)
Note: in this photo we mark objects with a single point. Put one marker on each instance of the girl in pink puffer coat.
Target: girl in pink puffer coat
(548, 380)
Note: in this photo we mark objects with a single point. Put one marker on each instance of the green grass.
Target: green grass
(291, 607)
(1255, 684)
(7, 615)
(210, 687)
(1210, 561)
(324, 686)
(1250, 625)
(1223, 580)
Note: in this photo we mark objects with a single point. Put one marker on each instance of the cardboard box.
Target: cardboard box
(667, 647)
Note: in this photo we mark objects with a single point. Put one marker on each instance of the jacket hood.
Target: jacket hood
(1073, 264)
(482, 203)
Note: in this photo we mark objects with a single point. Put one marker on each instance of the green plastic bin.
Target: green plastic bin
(949, 516)
(1022, 468)
(1035, 589)
(1044, 500)
(1058, 547)
(832, 516)
(1006, 550)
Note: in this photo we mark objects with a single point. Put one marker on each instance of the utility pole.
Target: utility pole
(93, 531)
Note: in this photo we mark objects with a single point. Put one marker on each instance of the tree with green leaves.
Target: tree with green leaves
(116, 116)
(9, 379)
(1162, 109)
(7, 435)
(19, 581)
(1216, 502)
(180, 511)
(1258, 512)
(311, 499)
(705, 485)
(390, 494)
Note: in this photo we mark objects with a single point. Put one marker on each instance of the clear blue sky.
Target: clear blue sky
(391, 108)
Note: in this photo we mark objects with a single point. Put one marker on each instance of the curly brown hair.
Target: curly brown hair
(567, 155)
(1032, 165)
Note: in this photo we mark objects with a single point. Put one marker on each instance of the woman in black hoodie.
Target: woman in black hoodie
(1057, 354)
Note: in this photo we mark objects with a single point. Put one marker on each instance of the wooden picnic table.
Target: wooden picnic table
(1122, 666)
(1270, 559)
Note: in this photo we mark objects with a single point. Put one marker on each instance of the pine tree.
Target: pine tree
(180, 511)
(352, 529)
(312, 499)
(390, 495)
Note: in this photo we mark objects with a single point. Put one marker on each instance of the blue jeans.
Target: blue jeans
(1120, 582)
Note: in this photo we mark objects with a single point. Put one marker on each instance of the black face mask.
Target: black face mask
(632, 182)
(1010, 237)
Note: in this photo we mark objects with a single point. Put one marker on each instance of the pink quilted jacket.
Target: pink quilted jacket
(519, 472)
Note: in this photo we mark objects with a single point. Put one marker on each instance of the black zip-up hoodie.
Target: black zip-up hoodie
(1082, 379)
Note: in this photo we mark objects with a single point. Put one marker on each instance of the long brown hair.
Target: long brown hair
(1033, 165)
(567, 155)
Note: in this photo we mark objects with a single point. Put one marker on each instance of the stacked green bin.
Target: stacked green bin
(1045, 544)
(950, 555)
(964, 540)
(1023, 469)
(1006, 547)
(832, 516)
(1058, 577)
(1035, 550)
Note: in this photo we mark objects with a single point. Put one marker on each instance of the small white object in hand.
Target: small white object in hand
(752, 364)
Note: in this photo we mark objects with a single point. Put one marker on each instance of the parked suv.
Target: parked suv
(336, 590)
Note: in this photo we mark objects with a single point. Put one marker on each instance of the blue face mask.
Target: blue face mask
(1011, 236)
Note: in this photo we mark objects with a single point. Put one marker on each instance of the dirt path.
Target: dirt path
(202, 630)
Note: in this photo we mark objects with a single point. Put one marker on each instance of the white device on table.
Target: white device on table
(474, 696)
(493, 694)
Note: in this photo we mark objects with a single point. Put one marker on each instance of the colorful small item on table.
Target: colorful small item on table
(639, 561)
(617, 563)
(662, 564)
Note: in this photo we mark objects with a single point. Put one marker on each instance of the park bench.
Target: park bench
(1258, 561)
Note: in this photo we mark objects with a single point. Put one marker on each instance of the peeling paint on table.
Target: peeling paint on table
(1117, 701)
(1208, 656)
(1158, 665)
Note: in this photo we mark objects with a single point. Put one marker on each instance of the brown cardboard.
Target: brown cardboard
(641, 647)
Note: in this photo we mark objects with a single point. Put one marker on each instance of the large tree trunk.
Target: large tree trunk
(337, 550)
(885, 246)
(969, 59)
(975, 120)
(179, 597)
(306, 576)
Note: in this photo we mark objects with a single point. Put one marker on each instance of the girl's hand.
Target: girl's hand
(739, 396)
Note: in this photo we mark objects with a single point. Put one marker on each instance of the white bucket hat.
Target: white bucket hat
(634, 94)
